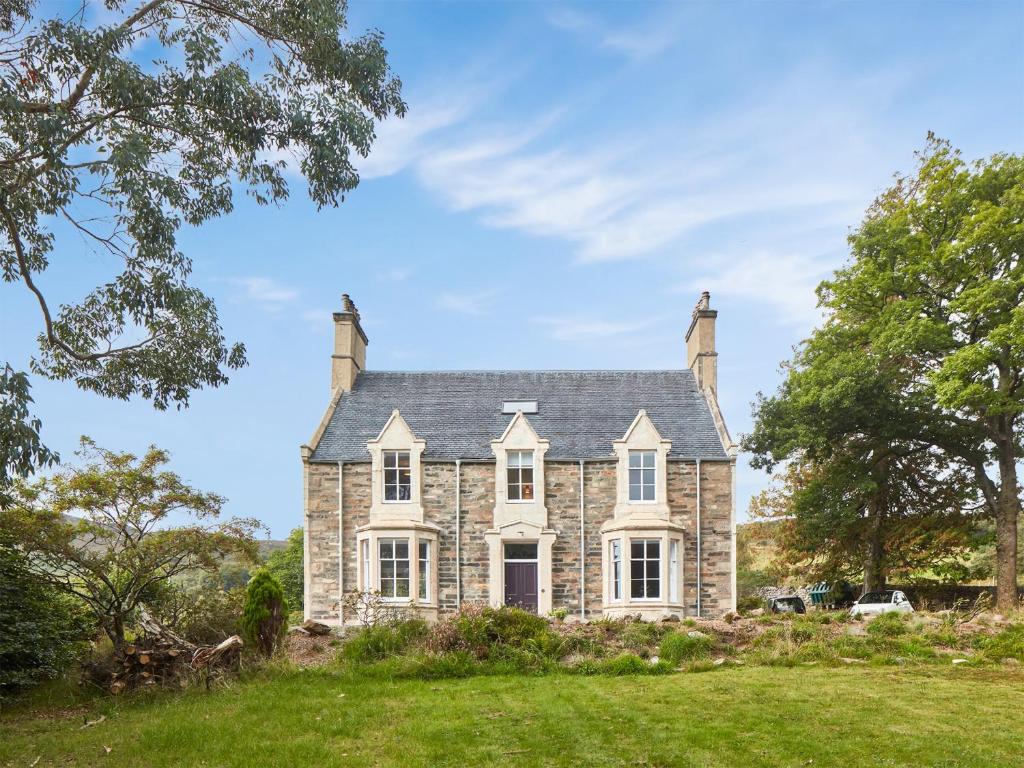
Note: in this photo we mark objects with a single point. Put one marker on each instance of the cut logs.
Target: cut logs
(160, 657)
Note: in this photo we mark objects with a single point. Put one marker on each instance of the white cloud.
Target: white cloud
(474, 304)
(265, 292)
(395, 274)
(649, 38)
(581, 328)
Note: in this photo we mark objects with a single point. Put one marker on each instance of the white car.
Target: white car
(877, 603)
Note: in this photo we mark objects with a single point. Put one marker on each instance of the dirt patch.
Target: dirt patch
(310, 650)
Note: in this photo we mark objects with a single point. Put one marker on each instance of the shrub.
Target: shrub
(749, 603)
(484, 630)
(678, 647)
(264, 613)
(626, 664)
(41, 632)
(1008, 644)
(887, 625)
(286, 565)
(641, 635)
(204, 615)
(375, 643)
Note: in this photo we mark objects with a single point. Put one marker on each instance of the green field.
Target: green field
(804, 716)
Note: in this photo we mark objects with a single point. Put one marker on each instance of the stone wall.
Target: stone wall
(563, 504)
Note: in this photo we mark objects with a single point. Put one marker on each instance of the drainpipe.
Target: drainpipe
(698, 539)
(458, 534)
(341, 544)
(583, 555)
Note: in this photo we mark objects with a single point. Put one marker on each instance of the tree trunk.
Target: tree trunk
(1007, 514)
(874, 563)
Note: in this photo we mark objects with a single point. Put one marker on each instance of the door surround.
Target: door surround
(520, 532)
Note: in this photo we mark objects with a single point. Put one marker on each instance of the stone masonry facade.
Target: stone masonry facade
(477, 500)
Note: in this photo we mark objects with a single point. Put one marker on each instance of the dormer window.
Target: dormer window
(397, 476)
(642, 476)
(520, 475)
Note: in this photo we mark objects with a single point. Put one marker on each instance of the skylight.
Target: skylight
(526, 406)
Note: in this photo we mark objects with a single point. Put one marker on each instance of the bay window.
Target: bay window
(645, 569)
(393, 568)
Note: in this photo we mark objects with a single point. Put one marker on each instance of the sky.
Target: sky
(568, 179)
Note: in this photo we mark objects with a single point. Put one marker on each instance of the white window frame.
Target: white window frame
(645, 471)
(615, 571)
(394, 559)
(366, 573)
(423, 570)
(520, 453)
(397, 468)
(645, 560)
(673, 570)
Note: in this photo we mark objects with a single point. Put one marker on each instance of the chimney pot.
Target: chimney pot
(701, 356)
(350, 343)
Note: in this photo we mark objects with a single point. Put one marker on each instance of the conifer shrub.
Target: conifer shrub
(264, 616)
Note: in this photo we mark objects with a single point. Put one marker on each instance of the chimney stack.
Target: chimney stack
(350, 342)
(701, 356)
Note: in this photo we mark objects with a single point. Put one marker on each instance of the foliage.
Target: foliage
(379, 642)
(287, 566)
(914, 384)
(21, 450)
(678, 647)
(264, 615)
(100, 533)
(204, 615)
(1008, 644)
(120, 132)
(42, 633)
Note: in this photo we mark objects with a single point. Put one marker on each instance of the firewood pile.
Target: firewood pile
(160, 657)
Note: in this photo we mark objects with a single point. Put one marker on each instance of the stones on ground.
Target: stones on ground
(847, 660)
(297, 630)
(856, 630)
(959, 661)
(718, 662)
(695, 633)
(1011, 661)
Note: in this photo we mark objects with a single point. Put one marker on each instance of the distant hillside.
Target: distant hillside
(270, 546)
(755, 543)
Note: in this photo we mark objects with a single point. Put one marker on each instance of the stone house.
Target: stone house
(597, 493)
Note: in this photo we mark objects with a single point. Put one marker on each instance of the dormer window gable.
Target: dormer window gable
(519, 473)
(396, 469)
(642, 471)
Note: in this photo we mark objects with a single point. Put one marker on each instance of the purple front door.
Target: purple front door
(521, 585)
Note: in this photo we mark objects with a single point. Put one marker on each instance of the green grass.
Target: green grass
(863, 716)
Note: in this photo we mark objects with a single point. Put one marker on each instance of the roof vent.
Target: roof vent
(526, 406)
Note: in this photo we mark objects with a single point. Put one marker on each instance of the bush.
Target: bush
(641, 635)
(376, 643)
(679, 647)
(485, 631)
(749, 603)
(887, 625)
(626, 664)
(42, 633)
(205, 615)
(1008, 644)
(286, 565)
(265, 612)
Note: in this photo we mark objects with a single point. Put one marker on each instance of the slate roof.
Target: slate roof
(458, 413)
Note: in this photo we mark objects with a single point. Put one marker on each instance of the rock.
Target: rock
(653, 660)
(756, 612)
(851, 661)
(296, 630)
(856, 630)
(315, 627)
(959, 661)
(718, 662)
(1011, 661)
(695, 633)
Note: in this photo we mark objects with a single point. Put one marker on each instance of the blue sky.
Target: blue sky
(568, 179)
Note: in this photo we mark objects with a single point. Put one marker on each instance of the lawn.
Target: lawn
(801, 716)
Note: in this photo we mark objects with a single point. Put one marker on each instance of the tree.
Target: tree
(122, 148)
(21, 450)
(103, 533)
(288, 568)
(858, 493)
(41, 632)
(264, 617)
(936, 282)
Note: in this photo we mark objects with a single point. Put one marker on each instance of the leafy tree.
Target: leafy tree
(104, 533)
(21, 450)
(287, 567)
(857, 494)
(124, 131)
(264, 617)
(41, 632)
(936, 282)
